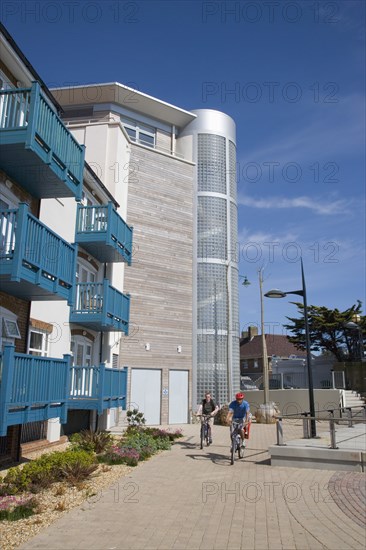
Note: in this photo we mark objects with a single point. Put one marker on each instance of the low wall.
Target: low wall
(296, 401)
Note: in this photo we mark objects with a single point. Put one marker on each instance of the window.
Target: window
(38, 342)
(11, 329)
(145, 135)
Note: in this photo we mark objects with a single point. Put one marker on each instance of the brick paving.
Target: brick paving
(348, 491)
(188, 498)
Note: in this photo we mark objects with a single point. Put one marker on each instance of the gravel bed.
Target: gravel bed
(57, 501)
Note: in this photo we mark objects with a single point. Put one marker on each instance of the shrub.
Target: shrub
(87, 440)
(78, 471)
(43, 471)
(122, 455)
(13, 508)
(135, 418)
(144, 444)
(220, 417)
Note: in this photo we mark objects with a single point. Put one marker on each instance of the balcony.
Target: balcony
(35, 263)
(101, 307)
(36, 388)
(37, 150)
(97, 388)
(102, 232)
(32, 388)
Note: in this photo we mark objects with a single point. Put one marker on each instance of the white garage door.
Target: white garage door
(146, 393)
(178, 397)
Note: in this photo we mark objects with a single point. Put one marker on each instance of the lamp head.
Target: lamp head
(275, 293)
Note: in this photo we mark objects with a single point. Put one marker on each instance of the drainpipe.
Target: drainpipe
(173, 142)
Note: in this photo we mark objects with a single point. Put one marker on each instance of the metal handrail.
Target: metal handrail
(306, 418)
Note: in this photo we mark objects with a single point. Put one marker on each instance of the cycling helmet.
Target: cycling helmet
(239, 396)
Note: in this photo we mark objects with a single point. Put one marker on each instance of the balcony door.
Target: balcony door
(82, 354)
(86, 294)
(7, 222)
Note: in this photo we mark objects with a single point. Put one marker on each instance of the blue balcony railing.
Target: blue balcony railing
(40, 388)
(101, 307)
(102, 232)
(37, 149)
(35, 263)
(97, 388)
(32, 388)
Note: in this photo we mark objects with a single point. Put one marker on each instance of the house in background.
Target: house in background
(279, 350)
(63, 308)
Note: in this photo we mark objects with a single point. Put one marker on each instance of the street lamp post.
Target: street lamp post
(280, 294)
(264, 344)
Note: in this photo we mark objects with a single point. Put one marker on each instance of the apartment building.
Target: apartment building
(161, 310)
(181, 201)
(63, 307)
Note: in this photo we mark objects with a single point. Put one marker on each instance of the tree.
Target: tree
(328, 331)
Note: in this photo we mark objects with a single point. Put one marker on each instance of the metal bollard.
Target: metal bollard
(333, 443)
(279, 432)
(350, 420)
(305, 426)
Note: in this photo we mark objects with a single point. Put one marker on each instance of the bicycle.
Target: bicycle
(205, 433)
(236, 440)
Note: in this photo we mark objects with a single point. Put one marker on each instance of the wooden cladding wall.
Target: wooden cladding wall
(160, 208)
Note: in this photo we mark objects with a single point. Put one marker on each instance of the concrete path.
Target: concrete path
(188, 498)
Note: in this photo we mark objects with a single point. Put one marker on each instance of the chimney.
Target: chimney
(252, 331)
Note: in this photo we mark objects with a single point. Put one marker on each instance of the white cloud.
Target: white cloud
(318, 205)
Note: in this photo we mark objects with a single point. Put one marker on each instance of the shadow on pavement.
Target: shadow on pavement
(220, 460)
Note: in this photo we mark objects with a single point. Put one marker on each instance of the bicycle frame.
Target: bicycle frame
(205, 429)
(236, 440)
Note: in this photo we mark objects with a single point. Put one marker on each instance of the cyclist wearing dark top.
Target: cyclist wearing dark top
(208, 407)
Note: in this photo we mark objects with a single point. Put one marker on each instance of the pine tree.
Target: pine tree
(328, 331)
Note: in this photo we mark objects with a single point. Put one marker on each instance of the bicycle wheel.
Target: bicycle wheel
(240, 449)
(207, 435)
(233, 446)
(202, 435)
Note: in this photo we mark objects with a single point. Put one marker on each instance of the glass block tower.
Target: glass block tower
(216, 313)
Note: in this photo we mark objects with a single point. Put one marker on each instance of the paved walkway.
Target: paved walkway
(188, 498)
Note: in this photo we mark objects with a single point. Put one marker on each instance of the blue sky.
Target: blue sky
(291, 74)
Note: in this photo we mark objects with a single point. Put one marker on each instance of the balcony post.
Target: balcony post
(72, 294)
(65, 404)
(111, 222)
(20, 240)
(6, 382)
(106, 296)
(33, 114)
(101, 387)
(128, 301)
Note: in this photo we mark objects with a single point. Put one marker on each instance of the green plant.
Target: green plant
(143, 442)
(122, 455)
(77, 471)
(97, 442)
(135, 418)
(43, 471)
(13, 508)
